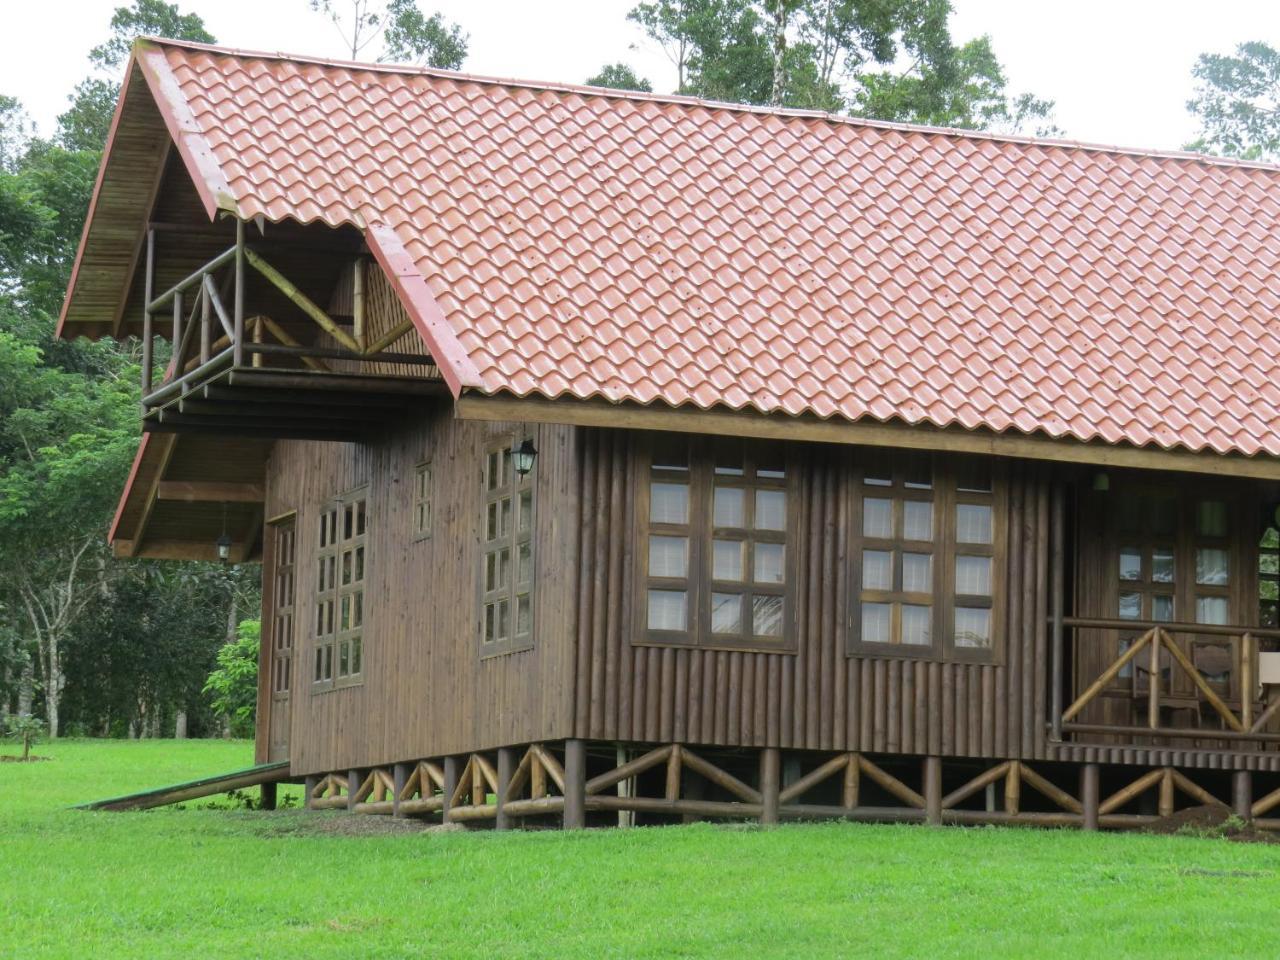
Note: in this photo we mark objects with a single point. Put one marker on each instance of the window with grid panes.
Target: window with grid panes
(715, 564)
(927, 547)
(422, 501)
(282, 597)
(341, 561)
(507, 572)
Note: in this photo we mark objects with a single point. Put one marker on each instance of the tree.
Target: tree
(619, 76)
(86, 124)
(407, 35)
(837, 55)
(1237, 101)
(26, 728)
(15, 132)
(234, 684)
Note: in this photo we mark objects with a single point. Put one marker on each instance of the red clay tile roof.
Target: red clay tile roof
(650, 249)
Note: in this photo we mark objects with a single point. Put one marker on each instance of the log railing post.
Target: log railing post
(575, 784)
(506, 766)
(1059, 594)
(933, 790)
(1089, 795)
(176, 344)
(770, 784)
(450, 785)
(206, 319)
(400, 774)
(1153, 686)
(237, 338)
(148, 334)
(1246, 681)
(1242, 794)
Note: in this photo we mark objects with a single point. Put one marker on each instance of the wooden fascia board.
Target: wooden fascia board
(139, 245)
(165, 454)
(587, 413)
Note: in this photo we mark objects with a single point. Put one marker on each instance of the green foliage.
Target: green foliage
(407, 34)
(15, 132)
(619, 76)
(86, 124)
(1237, 101)
(234, 684)
(887, 59)
(26, 729)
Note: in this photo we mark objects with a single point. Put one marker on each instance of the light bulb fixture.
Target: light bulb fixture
(224, 542)
(524, 456)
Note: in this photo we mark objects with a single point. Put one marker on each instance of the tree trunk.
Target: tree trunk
(53, 688)
(180, 726)
(26, 688)
(779, 52)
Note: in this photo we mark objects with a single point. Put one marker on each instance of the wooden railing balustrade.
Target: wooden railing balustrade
(1155, 639)
(226, 336)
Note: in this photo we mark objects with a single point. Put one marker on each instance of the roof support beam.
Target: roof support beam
(203, 491)
(591, 413)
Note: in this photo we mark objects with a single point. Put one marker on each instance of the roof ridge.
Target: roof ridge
(1180, 156)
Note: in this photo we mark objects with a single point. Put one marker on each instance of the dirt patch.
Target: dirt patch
(340, 824)
(1214, 821)
(9, 758)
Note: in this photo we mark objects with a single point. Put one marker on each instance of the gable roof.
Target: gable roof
(559, 241)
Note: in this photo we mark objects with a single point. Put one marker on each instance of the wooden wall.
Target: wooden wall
(817, 698)
(425, 690)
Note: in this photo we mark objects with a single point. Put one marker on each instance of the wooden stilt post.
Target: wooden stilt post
(309, 785)
(575, 784)
(1242, 794)
(400, 774)
(933, 790)
(237, 318)
(353, 787)
(451, 771)
(1165, 808)
(1089, 795)
(1012, 789)
(770, 784)
(267, 796)
(506, 767)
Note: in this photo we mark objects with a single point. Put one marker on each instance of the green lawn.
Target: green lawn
(207, 883)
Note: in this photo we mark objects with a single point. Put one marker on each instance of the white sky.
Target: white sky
(1118, 69)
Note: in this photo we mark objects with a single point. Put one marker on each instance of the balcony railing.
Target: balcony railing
(206, 295)
(1156, 647)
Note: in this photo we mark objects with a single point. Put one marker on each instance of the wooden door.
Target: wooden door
(280, 662)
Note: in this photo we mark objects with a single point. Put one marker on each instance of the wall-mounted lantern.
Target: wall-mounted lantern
(524, 456)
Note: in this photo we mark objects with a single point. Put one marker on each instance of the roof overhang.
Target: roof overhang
(596, 413)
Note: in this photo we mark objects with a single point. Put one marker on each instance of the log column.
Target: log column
(399, 777)
(506, 767)
(309, 785)
(267, 796)
(933, 790)
(770, 776)
(451, 772)
(1089, 795)
(1242, 794)
(575, 784)
(353, 787)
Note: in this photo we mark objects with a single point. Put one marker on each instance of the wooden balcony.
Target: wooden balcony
(1161, 674)
(307, 376)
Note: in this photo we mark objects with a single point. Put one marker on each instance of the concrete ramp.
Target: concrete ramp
(267, 773)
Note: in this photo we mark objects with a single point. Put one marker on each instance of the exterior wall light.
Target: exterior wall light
(224, 548)
(524, 456)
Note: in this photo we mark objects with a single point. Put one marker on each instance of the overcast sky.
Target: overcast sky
(1118, 69)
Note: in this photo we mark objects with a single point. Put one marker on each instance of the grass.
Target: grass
(211, 883)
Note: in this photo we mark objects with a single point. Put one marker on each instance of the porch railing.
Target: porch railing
(198, 304)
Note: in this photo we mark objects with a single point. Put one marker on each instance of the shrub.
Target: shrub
(233, 686)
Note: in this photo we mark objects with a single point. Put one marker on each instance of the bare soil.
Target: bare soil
(1212, 820)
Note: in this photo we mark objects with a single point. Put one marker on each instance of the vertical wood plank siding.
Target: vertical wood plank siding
(425, 690)
(817, 698)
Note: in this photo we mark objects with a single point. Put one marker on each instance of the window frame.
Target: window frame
(284, 597)
(331, 590)
(423, 501)
(699, 583)
(946, 496)
(513, 487)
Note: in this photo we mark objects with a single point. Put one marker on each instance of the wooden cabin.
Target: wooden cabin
(614, 457)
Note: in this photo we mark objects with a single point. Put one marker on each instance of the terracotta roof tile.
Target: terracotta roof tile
(652, 249)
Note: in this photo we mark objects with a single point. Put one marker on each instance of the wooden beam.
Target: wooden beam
(388, 338)
(301, 301)
(149, 500)
(596, 413)
(209, 491)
